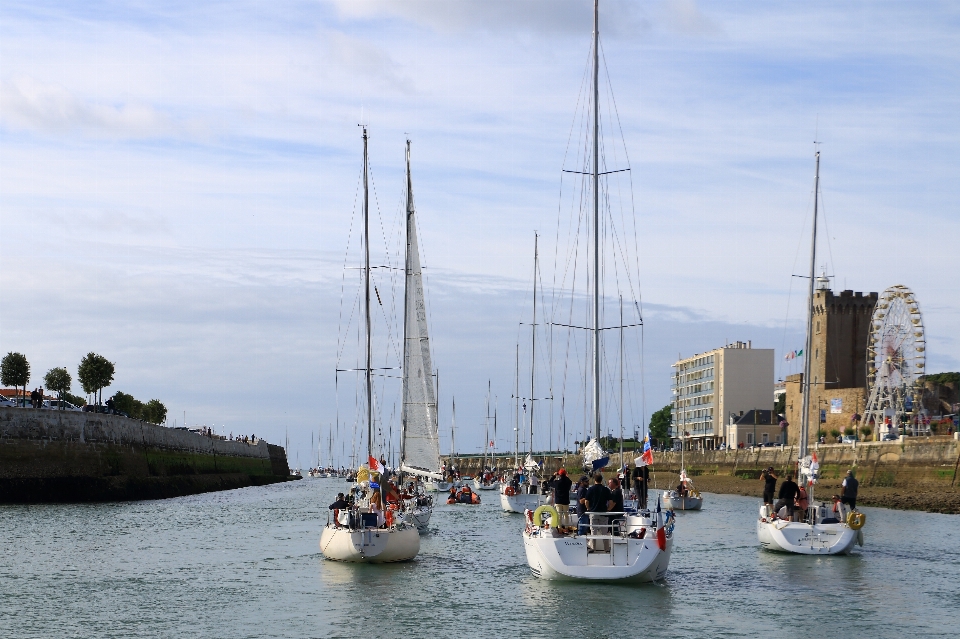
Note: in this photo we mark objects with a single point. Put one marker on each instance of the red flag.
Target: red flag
(647, 455)
(375, 465)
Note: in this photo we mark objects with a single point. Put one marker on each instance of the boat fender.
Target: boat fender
(860, 538)
(661, 538)
(546, 508)
(509, 491)
(856, 520)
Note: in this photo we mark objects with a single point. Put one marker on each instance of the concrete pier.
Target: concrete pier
(69, 456)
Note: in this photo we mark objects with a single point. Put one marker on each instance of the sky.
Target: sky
(179, 184)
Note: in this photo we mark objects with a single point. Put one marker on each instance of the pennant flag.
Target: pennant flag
(601, 463)
(375, 465)
(647, 455)
(800, 353)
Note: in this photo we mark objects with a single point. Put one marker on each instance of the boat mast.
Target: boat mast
(533, 336)
(516, 430)
(596, 221)
(406, 301)
(366, 297)
(621, 381)
(807, 364)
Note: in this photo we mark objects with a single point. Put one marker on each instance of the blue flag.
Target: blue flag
(374, 485)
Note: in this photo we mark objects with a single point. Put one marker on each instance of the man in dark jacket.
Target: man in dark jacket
(848, 490)
(787, 495)
(561, 493)
(769, 485)
(336, 507)
(641, 480)
(599, 500)
(583, 519)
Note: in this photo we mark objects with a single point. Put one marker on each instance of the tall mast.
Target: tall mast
(366, 297)
(807, 364)
(596, 220)
(516, 430)
(533, 336)
(406, 301)
(621, 381)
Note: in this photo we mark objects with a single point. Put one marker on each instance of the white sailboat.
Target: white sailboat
(485, 479)
(685, 496)
(617, 546)
(419, 434)
(520, 496)
(818, 531)
(353, 535)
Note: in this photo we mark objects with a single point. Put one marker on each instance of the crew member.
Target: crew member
(561, 493)
(848, 490)
(769, 485)
(787, 495)
(641, 480)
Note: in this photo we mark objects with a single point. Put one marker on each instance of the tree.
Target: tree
(780, 406)
(660, 424)
(154, 412)
(58, 380)
(15, 371)
(128, 405)
(95, 373)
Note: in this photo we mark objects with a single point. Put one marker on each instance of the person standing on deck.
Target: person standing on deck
(641, 481)
(561, 493)
(769, 485)
(848, 490)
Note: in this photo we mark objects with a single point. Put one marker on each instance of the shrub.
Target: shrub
(866, 430)
(850, 431)
(834, 433)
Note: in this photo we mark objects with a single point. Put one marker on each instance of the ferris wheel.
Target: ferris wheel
(895, 360)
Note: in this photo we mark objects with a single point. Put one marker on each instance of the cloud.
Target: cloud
(345, 56)
(28, 104)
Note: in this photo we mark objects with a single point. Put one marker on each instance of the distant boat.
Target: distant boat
(685, 496)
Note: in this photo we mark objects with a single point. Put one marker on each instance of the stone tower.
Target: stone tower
(841, 326)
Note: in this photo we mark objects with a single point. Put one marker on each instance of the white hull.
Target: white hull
(419, 517)
(520, 503)
(478, 485)
(806, 539)
(674, 501)
(625, 559)
(437, 486)
(370, 545)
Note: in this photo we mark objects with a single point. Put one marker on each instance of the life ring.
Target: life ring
(546, 508)
(856, 520)
(509, 491)
(363, 475)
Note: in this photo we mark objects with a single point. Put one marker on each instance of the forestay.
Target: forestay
(420, 445)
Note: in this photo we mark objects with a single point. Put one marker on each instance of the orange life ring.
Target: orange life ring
(509, 491)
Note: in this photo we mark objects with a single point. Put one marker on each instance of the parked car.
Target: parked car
(59, 404)
(890, 437)
(849, 440)
(7, 402)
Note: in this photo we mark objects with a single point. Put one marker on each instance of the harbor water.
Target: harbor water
(246, 563)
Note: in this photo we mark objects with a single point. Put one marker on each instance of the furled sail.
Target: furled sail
(420, 445)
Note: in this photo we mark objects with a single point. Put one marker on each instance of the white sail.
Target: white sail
(420, 441)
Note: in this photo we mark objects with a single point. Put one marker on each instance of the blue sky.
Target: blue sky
(177, 180)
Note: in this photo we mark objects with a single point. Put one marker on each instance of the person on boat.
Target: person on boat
(616, 494)
(534, 483)
(787, 495)
(802, 502)
(769, 484)
(561, 493)
(465, 496)
(376, 506)
(641, 481)
(848, 490)
(599, 500)
(583, 520)
(837, 512)
(336, 507)
(452, 497)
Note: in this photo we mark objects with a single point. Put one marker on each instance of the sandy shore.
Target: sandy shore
(923, 498)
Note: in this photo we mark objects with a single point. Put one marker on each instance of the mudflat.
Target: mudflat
(929, 498)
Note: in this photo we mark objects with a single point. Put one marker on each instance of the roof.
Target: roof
(764, 418)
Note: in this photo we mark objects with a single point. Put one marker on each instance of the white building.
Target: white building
(709, 387)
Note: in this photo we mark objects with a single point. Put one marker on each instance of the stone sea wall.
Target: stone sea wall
(927, 462)
(69, 456)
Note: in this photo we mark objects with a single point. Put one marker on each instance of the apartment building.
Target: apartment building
(709, 387)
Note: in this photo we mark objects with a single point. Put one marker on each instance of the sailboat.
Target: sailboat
(442, 485)
(485, 479)
(618, 546)
(521, 495)
(687, 497)
(818, 530)
(419, 434)
(353, 535)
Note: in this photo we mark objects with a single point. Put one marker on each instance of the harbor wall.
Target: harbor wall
(70, 456)
(928, 462)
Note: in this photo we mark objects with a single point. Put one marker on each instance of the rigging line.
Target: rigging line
(346, 255)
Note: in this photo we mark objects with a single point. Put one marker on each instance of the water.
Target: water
(246, 563)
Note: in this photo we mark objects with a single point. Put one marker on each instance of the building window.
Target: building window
(818, 326)
(749, 438)
(765, 437)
